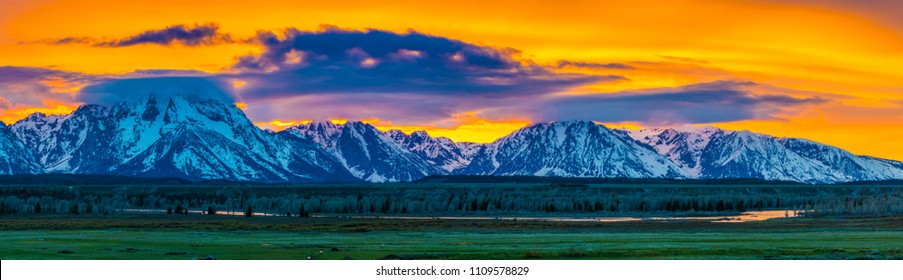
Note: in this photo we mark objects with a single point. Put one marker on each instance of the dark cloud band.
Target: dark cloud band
(593, 65)
(338, 61)
(187, 35)
(413, 77)
(111, 91)
(722, 101)
(32, 86)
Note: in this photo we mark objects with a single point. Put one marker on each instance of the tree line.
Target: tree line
(451, 200)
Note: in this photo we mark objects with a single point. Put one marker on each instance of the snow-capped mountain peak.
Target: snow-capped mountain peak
(571, 149)
(708, 152)
(188, 136)
(14, 158)
(439, 151)
(182, 136)
(682, 145)
(366, 152)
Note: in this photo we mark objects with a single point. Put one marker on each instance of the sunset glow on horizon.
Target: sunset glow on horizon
(828, 71)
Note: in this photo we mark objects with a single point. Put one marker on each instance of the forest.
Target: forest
(461, 199)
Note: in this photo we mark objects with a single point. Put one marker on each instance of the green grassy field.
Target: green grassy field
(155, 237)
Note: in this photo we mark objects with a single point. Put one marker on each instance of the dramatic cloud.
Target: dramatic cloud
(30, 86)
(206, 34)
(15, 74)
(338, 61)
(26, 90)
(186, 35)
(702, 103)
(398, 108)
(111, 91)
(410, 78)
(414, 78)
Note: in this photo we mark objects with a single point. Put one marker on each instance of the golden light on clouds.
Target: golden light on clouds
(50, 107)
(278, 125)
(840, 54)
(467, 128)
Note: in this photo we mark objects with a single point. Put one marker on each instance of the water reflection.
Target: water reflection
(743, 217)
(197, 212)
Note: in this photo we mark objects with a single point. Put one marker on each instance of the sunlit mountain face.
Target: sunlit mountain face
(196, 137)
(287, 91)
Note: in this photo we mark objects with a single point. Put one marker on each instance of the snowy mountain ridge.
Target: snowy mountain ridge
(207, 139)
(571, 149)
(440, 151)
(183, 136)
(366, 152)
(708, 152)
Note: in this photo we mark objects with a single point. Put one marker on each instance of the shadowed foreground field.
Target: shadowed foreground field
(161, 237)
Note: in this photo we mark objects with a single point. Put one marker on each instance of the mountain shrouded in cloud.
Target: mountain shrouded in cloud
(399, 77)
(413, 77)
(410, 78)
(112, 91)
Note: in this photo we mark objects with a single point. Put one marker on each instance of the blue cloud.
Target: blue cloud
(166, 73)
(721, 101)
(70, 40)
(338, 61)
(16, 74)
(186, 35)
(29, 85)
(112, 91)
(196, 35)
(594, 65)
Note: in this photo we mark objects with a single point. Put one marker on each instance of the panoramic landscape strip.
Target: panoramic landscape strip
(451, 130)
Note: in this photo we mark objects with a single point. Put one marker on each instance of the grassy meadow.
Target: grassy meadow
(150, 237)
(314, 222)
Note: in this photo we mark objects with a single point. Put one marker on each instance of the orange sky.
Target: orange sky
(842, 53)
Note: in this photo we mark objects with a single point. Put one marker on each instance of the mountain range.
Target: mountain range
(182, 137)
(198, 138)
